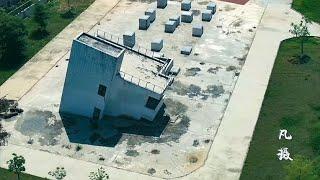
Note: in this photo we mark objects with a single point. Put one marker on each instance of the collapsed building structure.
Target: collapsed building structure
(108, 78)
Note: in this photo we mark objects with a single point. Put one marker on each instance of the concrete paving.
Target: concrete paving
(229, 148)
(195, 102)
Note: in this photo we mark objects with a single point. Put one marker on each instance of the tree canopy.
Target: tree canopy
(40, 16)
(13, 35)
(301, 168)
(16, 164)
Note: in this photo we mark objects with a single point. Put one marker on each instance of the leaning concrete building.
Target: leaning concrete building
(106, 78)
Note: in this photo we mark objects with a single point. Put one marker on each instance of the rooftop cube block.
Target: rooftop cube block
(186, 16)
(170, 26)
(144, 22)
(186, 5)
(152, 13)
(186, 50)
(207, 15)
(212, 6)
(162, 3)
(176, 19)
(197, 30)
(175, 70)
(129, 38)
(157, 45)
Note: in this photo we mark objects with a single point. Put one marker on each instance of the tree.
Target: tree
(69, 13)
(13, 35)
(40, 16)
(300, 168)
(59, 173)
(100, 175)
(301, 31)
(316, 163)
(4, 135)
(16, 165)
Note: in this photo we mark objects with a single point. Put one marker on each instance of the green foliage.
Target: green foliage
(13, 40)
(16, 164)
(309, 8)
(290, 121)
(55, 25)
(300, 168)
(315, 138)
(316, 163)
(69, 14)
(292, 103)
(99, 175)
(6, 175)
(59, 173)
(40, 16)
(301, 31)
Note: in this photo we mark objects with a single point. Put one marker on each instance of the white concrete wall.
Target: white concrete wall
(130, 99)
(88, 67)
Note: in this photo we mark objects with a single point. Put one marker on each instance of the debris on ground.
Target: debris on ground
(8, 108)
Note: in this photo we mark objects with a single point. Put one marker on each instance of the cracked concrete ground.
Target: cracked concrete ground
(196, 101)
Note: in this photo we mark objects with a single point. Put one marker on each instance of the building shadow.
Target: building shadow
(109, 130)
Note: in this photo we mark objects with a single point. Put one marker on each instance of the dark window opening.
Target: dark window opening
(102, 90)
(152, 103)
(96, 113)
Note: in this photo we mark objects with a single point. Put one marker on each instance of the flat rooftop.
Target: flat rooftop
(137, 68)
(138, 64)
(99, 44)
(143, 69)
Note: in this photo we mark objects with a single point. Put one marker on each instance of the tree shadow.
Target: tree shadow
(108, 131)
(69, 14)
(39, 34)
(299, 59)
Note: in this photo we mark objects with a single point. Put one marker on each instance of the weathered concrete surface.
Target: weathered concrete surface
(196, 101)
(230, 147)
(29, 74)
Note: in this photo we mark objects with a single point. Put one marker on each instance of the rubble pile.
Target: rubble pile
(8, 108)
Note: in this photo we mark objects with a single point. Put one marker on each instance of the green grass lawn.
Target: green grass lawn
(310, 8)
(56, 23)
(6, 175)
(292, 102)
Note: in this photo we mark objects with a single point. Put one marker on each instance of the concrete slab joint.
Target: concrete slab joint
(185, 5)
(186, 16)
